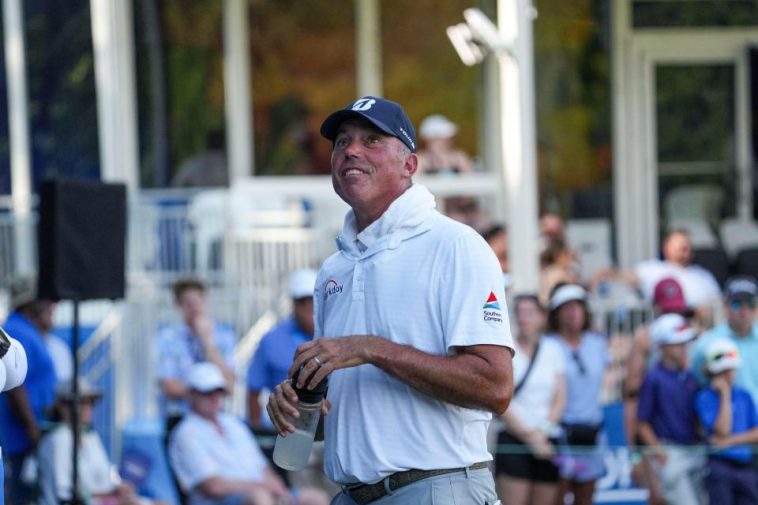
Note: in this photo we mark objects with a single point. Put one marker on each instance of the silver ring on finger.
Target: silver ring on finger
(318, 361)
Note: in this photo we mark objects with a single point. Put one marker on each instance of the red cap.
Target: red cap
(668, 296)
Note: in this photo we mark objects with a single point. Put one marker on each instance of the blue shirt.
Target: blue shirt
(747, 346)
(667, 403)
(585, 368)
(744, 418)
(39, 383)
(274, 355)
(179, 349)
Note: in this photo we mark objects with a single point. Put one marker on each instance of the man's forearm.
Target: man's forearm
(478, 377)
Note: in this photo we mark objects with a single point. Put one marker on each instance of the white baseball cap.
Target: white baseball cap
(205, 377)
(302, 283)
(437, 126)
(671, 328)
(567, 293)
(722, 355)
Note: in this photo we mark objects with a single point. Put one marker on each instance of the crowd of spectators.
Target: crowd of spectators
(689, 387)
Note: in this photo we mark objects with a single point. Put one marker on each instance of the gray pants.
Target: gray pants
(471, 487)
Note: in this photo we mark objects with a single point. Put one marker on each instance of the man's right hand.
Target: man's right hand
(281, 407)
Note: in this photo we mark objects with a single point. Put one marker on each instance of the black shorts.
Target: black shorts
(520, 463)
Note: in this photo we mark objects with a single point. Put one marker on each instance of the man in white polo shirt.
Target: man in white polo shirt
(411, 327)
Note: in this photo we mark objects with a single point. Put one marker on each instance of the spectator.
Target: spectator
(586, 359)
(740, 327)
(701, 290)
(439, 155)
(552, 228)
(196, 338)
(667, 299)
(23, 409)
(99, 482)
(216, 458)
(666, 414)
(528, 475)
(269, 367)
(558, 265)
(728, 414)
(496, 237)
(273, 356)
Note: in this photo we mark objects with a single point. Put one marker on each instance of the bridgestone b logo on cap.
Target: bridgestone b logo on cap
(363, 104)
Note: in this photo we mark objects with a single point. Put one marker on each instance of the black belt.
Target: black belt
(366, 493)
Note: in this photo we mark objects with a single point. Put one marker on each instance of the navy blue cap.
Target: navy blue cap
(386, 115)
(741, 286)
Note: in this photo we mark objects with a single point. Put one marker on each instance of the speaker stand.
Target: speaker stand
(76, 498)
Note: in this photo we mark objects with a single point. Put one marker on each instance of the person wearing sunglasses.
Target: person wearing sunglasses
(740, 327)
(586, 356)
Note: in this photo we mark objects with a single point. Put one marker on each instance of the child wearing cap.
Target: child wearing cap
(666, 414)
(729, 417)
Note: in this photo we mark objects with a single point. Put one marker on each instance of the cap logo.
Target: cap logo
(363, 104)
(408, 137)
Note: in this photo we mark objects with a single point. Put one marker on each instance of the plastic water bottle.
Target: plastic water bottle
(292, 452)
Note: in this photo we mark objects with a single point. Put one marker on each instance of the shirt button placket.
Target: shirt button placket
(358, 281)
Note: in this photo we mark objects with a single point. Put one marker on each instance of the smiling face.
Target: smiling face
(370, 169)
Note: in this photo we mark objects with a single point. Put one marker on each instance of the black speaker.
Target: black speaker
(81, 240)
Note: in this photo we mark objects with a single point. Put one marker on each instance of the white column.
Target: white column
(368, 45)
(489, 144)
(518, 143)
(113, 43)
(237, 90)
(18, 121)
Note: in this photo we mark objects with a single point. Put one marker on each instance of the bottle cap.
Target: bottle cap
(314, 395)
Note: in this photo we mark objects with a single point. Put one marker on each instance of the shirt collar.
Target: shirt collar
(401, 219)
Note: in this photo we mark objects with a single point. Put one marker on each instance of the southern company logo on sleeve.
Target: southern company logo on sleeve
(492, 309)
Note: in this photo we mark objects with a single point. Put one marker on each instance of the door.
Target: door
(681, 132)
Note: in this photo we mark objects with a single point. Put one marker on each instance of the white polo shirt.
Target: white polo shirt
(417, 278)
(198, 451)
(698, 284)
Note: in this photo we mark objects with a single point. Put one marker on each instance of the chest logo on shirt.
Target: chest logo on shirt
(332, 288)
(491, 309)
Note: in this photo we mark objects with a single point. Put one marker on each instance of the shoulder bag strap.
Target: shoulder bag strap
(528, 370)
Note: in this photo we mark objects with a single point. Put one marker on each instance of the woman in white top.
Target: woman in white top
(526, 473)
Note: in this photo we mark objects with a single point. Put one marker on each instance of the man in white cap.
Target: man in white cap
(439, 154)
(411, 326)
(215, 457)
(273, 356)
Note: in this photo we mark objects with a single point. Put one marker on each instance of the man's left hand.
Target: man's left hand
(322, 356)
